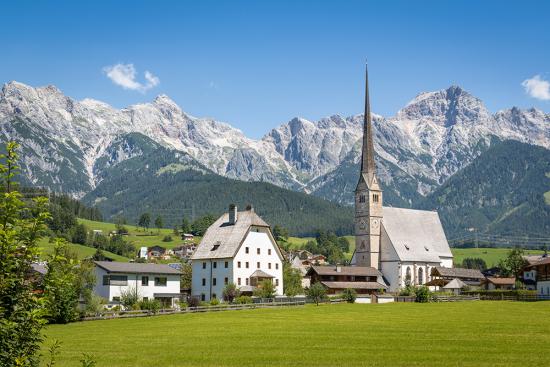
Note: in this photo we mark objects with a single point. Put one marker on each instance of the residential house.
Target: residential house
(493, 283)
(529, 278)
(152, 281)
(238, 248)
(542, 271)
(441, 276)
(187, 237)
(365, 280)
(159, 252)
(185, 251)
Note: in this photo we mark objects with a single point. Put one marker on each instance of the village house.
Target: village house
(541, 270)
(152, 281)
(403, 244)
(494, 283)
(365, 280)
(187, 237)
(441, 276)
(238, 248)
(529, 278)
(185, 251)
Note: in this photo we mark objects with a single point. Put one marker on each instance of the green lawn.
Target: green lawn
(80, 250)
(401, 334)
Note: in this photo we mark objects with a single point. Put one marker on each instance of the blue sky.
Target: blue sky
(258, 64)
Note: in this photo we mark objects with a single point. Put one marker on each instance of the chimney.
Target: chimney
(250, 208)
(338, 268)
(232, 214)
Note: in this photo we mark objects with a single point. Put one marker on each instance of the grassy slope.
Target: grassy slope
(137, 236)
(400, 334)
(81, 251)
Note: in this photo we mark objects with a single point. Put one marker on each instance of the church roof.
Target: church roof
(222, 239)
(416, 235)
(345, 270)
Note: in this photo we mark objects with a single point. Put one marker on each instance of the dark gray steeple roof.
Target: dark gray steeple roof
(367, 159)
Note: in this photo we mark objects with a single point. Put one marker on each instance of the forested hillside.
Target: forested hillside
(171, 184)
(502, 192)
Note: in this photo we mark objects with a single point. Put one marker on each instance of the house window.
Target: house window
(246, 250)
(277, 266)
(258, 264)
(226, 264)
(246, 264)
(362, 198)
(238, 264)
(246, 281)
(238, 281)
(204, 264)
(116, 299)
(269, 265)
(213, 295)
(226, 281)
(118, 280)
(213, 281)
(204, 282)
(269, 251)
(276, 282)
(105, 280)
(145, 281)
(160, 281)
(215, 264)
(203, 297)
(258, 250)
(145, 298)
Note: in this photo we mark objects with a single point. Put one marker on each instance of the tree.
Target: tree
(158, 223)
(186, 275)
(120, 225)
(230, 292)
(280, 233)
(514, 262)
(316, 293)
(200, 226)
(130, 297)
(292, 280)
(349, 295)
(22, 224)
(145, 221)
(62, 285)
(474, 263)
(80, 234)
(185, 225)
(266, 289)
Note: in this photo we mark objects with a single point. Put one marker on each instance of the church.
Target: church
(403, 244)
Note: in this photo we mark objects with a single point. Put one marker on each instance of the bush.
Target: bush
(242, 300)
(230, 292)
(167, 238)
(316, 293)
(193, 301)
(152, 305)
(423, 294)
(266, 289)
(129, 297)
(214, 302)
(349, 295)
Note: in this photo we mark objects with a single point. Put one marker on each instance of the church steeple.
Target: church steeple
(368, 198)
(367, 157)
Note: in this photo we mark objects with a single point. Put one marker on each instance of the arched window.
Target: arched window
(408, 275)
(420, 276)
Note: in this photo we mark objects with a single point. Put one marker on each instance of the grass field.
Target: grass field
(400, 334)
(80, 250)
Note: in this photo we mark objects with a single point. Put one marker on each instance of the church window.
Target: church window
(420, 276)
(374, 198)
(408, 274)
(362, 198)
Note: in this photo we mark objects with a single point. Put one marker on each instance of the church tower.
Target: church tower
(368, 198)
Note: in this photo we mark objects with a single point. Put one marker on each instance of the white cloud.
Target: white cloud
(124, 75)
(537, 88)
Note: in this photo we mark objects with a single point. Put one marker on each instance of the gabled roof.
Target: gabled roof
(455, 284)
(416, 235)
(501, 281)
(222, 239)
(261, 274)
(139, 268)
(457, 273)
(354, 285)
(345, 270)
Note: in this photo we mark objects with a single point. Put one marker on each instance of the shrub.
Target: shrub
(193, 301)
(243, 300)
(230, 292)
(129, 297)
(423, 294)
(167, 238)
(152, 305)
(316, 293)
(266, 289)
(349, 295)
(214, 302)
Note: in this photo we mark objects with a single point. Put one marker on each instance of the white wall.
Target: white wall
(543, 288)
(134, 280)
(213, 268)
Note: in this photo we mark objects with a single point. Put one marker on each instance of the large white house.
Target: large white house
(238, 248)
(152, 281)
(404, 244)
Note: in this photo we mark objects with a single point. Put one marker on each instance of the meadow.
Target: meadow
(401, 334)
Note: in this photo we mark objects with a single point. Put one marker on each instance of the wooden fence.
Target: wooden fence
(223, 307)
(458, 298)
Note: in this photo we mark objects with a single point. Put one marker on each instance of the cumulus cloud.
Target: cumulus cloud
(537, 88)
(124, 75)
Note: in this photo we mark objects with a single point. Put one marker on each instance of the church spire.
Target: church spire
(367, 159)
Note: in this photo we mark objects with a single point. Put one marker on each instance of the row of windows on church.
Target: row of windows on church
(420, 275)
(375, 198)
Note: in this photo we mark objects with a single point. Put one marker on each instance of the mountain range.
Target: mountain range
(72, 146)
